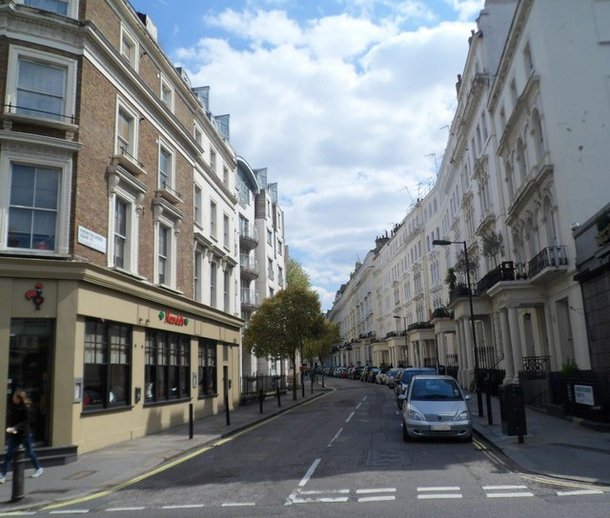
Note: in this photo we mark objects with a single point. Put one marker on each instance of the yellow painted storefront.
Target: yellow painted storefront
(44, 308)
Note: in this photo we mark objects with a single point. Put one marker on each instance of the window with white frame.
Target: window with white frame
(167, 94)
(213, 210)
(197, 204)
(166, 167)
(225, 231)
(126, 130)
(213, 282)
(123, 229)
(129, 48)
(198, 134)
(212, 160)
(163, 251)
(33, 207)
(41, 85)
(227, 290)
(55, 6)
(197, 275)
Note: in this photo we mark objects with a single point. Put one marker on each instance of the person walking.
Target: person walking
(20, 433)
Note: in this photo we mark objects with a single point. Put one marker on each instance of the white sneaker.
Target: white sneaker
(37, 473)
(2, 479)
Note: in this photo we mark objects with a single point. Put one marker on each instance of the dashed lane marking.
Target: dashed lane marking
(185, 506)
(438, 493)
(123, 509)
(580, 492)
(518, 494)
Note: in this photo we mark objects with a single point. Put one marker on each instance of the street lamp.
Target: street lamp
(406, 340)
(444, 242)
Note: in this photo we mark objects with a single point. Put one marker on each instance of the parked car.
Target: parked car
(435, 406)
(393, 376)
(405, 378)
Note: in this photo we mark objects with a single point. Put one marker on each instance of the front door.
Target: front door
(31, 348)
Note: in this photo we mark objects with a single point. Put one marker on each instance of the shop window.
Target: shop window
(167, 367)
(107, 382)
(208, 384)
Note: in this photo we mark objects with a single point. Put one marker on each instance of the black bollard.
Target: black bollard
(302, 387)
(260, 400)
(490, 419)
(312, 380)
(190, 420)
(18, 475)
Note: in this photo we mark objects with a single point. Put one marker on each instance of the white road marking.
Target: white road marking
(580, 492)
(509, 495)
(185, 506)
(364, 398)
(433, 496)
(358, 405)
(70, 511)
(238, 504)
(495, 488)
(324, 492)
(121, 509)
(381, 498)
(309, 473)
(380, 490)
(335, 437)
(441, 488)
(349, 417)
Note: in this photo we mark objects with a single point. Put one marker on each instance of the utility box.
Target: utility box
(512, 410)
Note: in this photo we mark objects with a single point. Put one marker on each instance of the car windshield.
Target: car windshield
(407, 375)
(435, 390)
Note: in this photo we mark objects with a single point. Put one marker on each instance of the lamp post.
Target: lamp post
(406, 340)
(444, 242)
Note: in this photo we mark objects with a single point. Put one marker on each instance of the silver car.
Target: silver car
(435, 406)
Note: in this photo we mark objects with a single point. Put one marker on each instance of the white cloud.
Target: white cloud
(343, 112)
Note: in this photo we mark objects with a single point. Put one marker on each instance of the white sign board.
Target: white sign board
(583, 394)
(91, 239)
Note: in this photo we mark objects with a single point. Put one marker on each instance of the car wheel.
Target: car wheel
(405, 433)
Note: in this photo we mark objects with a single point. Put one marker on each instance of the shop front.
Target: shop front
(106, 358)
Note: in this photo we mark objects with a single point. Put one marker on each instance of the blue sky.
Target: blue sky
(346, 102)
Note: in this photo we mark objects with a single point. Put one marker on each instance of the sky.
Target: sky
(347, 103)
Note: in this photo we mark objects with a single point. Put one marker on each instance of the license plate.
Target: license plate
(440, 427)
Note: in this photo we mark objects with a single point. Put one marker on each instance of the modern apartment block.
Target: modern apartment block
(525, 164)
(119, 265)
(262, 253)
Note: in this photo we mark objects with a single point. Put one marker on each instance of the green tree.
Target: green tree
(296, 276)
(460, 265)
(320, 346)
(283, 324)
(493, 245)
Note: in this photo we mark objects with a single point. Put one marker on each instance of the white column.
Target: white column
(509, 366)
(517, 347)
(469, 345)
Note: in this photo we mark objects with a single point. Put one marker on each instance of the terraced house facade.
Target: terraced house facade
(525, 166)
(119, 255)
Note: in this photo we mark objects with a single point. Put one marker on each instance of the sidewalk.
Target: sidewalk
(108, 467)
(553, 446)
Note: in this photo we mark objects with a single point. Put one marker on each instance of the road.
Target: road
(343, 455)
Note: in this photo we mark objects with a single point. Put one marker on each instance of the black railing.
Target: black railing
(252, 385)
(25, 110)
(584, 394)
(127, 154)
(551, 256)
(419, 325)
(461, 290)
(536, 367)
(503, 272)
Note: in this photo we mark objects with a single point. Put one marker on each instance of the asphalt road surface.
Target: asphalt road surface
(343, 455)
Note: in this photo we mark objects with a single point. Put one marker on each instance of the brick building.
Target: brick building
(118, 235)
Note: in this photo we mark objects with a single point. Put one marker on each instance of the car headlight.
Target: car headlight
(415, 415)
(464, 415)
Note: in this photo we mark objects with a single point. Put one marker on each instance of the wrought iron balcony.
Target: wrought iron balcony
(248, 266)
(503, 272)
(419, 325)
(547, 263)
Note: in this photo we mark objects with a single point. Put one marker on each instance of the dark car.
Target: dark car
(407, 374)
